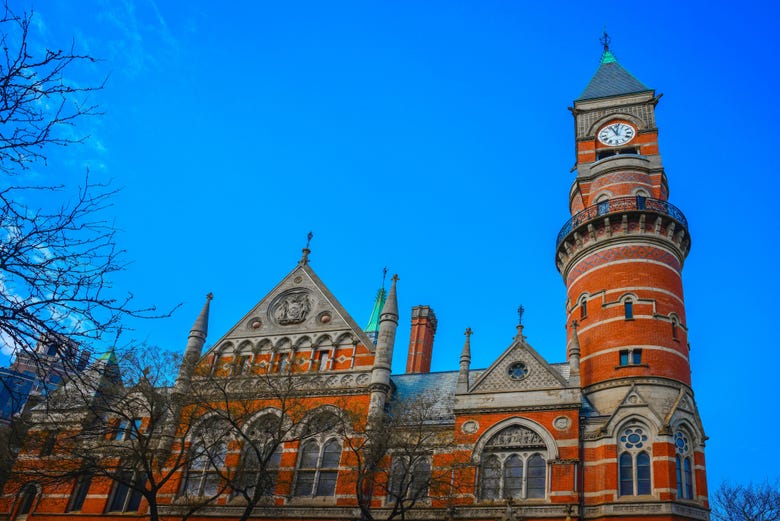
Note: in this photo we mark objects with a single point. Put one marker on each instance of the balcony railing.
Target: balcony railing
(621, 204)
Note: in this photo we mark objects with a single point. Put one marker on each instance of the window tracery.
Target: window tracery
(683, 465)
(514, 465)
(634, 461)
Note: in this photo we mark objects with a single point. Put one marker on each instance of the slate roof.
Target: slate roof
(611, 79)
(440, 385)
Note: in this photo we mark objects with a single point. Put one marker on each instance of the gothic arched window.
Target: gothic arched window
(683, 466)
(634, 462)
(318, 468)
(207, 460)
(261, 456)
(514, 465)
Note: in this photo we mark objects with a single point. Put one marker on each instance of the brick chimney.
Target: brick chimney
(421, 340)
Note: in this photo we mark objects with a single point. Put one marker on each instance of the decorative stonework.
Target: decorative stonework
(255, 323)
(470, 427)
(501, 377)
(291, 307)
(561, 423)
(515, 437)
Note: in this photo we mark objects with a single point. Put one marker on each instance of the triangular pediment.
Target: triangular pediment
(519, 368)
(299, 312)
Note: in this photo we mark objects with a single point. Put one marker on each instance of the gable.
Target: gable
(529, 370)
(299, 313)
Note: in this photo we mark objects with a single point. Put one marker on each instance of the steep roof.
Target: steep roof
(611, 79)
(439, 386)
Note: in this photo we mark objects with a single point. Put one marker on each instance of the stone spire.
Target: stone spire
(195, 342)
(372, 329)
(465, 362)
(383, 356)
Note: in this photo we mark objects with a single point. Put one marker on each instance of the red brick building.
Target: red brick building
(611, 432)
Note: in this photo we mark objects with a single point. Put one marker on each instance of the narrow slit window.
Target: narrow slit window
(583, 308)
(628, 308)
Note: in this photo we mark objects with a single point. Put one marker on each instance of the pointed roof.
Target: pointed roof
(391, 304)
(373, 320)
(299, 308)
(611, 79)
(201, 324)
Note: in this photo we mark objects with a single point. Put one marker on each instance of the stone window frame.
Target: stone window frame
(633, 459)
(684, 463)
(549, 453)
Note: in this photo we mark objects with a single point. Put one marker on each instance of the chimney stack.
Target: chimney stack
(421, 340)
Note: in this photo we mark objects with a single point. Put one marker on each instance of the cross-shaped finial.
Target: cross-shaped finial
(605, 39)
(384, 276)
(468, 333)
(209, 296)
(395, 278)
(575, 324)
(308, 239)
(520, 312)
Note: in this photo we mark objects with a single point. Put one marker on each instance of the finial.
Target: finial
(306, 250)
(395, 278)
(575, 324)
(384, 276)
(468, 333)
(209, 296)
(520, 336)
(605, 39)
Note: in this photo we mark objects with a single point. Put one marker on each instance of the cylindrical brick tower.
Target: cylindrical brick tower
(621, 256)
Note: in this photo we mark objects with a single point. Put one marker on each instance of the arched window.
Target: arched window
(583, 307)
(514, 465)
(318, 468)
(261, 456)
(628, 308)
(674, 328)
(491, 478)
(26, 500)
(634, 474)
(320, 457)
(683, 466)
(207, 460)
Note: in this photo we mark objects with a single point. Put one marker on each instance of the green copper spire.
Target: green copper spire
(608, 57)
(372, 329)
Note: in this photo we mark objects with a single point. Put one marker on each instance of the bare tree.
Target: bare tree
(40, 102)
(58, 249)
(394, 458)
(261, 417)
(128, 427)
(746, 502)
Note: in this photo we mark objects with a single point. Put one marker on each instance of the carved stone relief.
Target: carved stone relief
(291, 307)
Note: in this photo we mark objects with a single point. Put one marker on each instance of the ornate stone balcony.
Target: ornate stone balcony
(621, 205)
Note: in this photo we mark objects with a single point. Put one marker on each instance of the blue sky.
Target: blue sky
(431, 138)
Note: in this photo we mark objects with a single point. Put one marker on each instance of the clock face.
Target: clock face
(617, 134)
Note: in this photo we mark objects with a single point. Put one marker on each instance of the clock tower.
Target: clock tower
(621, 257)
